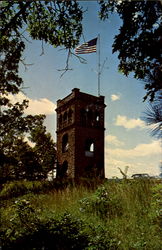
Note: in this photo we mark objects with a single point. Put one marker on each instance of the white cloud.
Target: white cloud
(115, 97)
(113, 140)
(36, 106)
(140, 150)
(144, 158)
(112, 168)
(129, 123)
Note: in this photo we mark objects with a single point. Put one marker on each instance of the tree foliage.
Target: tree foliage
(19, 160)
(44, 148)
(55, 22)
(153, 116)
(139, 47)
(139, 42)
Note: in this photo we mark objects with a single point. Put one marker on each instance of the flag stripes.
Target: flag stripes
(88, 47)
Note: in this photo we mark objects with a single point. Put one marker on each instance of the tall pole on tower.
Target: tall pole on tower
(99, 65)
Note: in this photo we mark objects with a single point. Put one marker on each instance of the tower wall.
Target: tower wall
(80, 135)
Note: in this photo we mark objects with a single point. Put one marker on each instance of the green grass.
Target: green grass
(110, 215)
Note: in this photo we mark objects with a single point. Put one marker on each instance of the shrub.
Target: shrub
(103, 203)
(28, 230)
(156, 204)
(101, 239)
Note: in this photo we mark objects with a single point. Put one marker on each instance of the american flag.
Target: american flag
(88, 47)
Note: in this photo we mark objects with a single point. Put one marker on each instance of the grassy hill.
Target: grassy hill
(83, 214)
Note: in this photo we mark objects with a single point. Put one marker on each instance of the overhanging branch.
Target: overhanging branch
(13, 19)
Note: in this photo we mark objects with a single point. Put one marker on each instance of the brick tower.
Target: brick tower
(80, 135)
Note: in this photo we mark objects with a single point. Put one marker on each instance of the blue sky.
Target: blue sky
(127, 140)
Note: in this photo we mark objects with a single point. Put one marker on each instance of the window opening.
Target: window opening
(89, 148)
(83, 117)
(97, 117)
(65, 116)
(70, 115)
(64, 169)
(60, 119)
(90, 117)
(89, 114)
(65, 143)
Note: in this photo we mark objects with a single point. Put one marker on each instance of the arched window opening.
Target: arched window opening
(83, 117)
(65, 116)
(89, 114)
(97, 116)
(89, 148)
(60, 120)
(70, 115)
(90, 117)
(64, 170)
(89, 145)
(65, 143)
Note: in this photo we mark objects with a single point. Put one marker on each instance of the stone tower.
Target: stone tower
(80, 135)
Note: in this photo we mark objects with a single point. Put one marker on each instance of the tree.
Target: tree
(14, 126)
(45, 149)
(27, 165)
(19, 160)
(139, 42)
(153, 116)
(55, 22)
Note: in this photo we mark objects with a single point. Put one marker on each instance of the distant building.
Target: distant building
(80, 135)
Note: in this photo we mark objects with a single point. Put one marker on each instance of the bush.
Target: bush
(101, 239)
(29, 230)
(103, 203)
(156, 204)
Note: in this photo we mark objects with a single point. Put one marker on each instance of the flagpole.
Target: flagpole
(99, 65)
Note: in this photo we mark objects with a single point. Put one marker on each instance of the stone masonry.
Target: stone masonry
(80, 135)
